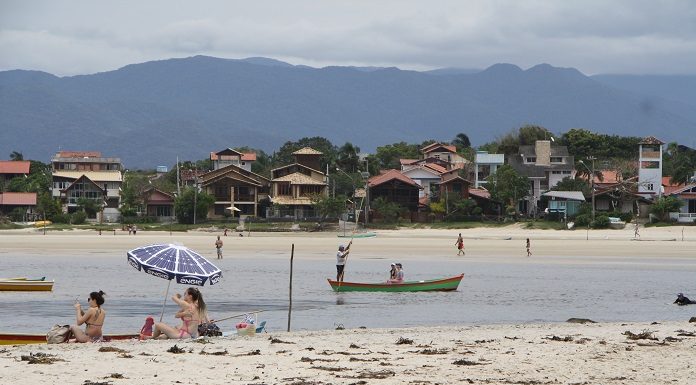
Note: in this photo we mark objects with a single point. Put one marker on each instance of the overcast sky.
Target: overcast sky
(602, 36)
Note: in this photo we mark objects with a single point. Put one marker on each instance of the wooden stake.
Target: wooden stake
(292, 255)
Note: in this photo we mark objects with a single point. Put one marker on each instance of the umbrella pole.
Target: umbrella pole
(165, 299)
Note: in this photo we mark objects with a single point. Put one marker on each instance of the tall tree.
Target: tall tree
(388, 156)
(347, 158)
(506, 185)
(184, 205)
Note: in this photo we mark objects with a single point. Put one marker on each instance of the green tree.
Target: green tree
(47, 206)
(134, 185)
(388, 156)
(328, 206)
(390, 211)
(90, 206)
(679, 163)
(184, 205)
(284, 155)
(571, 184)
(347, 158)
(665, 205)
(507, 186)
(16, 155)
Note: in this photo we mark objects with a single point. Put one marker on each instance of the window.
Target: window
(556, 159)
(650, 164)
(284, 188)
(649, 186)
(309, 190)
(531, 159)
(164, 211)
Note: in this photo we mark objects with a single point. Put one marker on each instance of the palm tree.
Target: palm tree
(461, 141)
(16, 155)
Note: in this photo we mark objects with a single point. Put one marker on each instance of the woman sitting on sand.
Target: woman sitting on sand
(192, 313)
(93, 318)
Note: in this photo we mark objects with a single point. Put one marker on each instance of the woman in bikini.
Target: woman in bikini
(192, 313)
(93, 318)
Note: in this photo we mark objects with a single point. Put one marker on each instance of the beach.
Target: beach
(523, 353)
(501, 354)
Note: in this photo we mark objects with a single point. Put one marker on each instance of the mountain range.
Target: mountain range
(149, 114)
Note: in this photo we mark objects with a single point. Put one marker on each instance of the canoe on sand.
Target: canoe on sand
(25, 339)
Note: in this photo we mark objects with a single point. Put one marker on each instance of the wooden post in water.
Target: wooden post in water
(292, 255)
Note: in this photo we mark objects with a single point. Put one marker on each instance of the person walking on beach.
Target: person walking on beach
(460, 245)
(93, 318)
(636, 234)
(529, 253)
(341, 257)
(218, 246)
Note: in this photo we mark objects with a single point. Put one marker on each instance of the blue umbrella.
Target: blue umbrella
(174, 262)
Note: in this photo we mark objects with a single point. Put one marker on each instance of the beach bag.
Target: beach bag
(209, 330)
(58, 334)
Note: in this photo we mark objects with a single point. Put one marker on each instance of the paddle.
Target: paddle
(236, 316)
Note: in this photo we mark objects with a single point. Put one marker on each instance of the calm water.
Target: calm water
(493, 291)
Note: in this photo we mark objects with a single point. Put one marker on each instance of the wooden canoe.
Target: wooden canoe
(24, 284)
(442, 284)
(25, 339)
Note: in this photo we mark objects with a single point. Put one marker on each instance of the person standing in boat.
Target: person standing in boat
(93, 318)
(341, 257)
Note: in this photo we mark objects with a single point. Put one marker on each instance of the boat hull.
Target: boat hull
(26, 339)
(25, 285)
(444, 284)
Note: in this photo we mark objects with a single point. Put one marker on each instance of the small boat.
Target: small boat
(42, 223)
(25, 339)
(442, 284)
(26, 284)
(358, 235)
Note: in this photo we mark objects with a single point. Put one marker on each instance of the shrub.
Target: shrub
(17, 215)
(600, 222)
(583, 220)
(60, 218)
(78, 217)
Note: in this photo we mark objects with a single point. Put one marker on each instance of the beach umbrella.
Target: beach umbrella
(174, 262)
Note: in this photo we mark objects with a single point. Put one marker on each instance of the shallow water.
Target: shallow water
(499, 290)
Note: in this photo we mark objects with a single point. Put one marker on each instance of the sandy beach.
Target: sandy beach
(502, 354)
(561, 353)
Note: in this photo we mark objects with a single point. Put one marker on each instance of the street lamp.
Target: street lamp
(592, 158)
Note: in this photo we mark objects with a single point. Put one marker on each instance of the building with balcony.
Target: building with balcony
(650, 167)
(486, 165)
(293, 186)
(237, 191)
(88, 175)
(229, 157)
(545, 165)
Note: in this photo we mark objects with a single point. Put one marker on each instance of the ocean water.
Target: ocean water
(496, 290)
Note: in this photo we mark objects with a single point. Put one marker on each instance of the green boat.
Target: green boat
(358, 235)
(442, 284)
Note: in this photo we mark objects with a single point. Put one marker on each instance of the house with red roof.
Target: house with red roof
(685, 192)
(393, 186)
(23, 201)
(10, 169)
(159, 204)
(230, 156)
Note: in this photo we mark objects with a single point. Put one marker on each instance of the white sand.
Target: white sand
(506, 354)
(502, 354)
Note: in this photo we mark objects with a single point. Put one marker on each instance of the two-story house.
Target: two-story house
(86, 174)
(294, 185)
(236, 191)
(444, 152)
(230, 156)
(486, 165)
(545, 165)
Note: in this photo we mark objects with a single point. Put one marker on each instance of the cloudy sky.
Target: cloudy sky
(595, 36)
